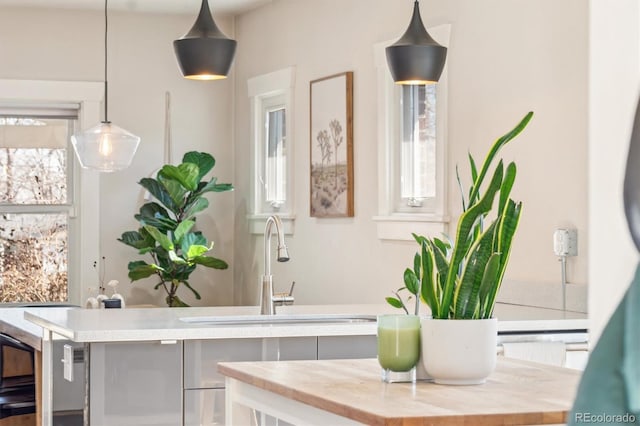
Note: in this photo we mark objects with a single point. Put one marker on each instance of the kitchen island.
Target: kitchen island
(163, 361)
(350, 392)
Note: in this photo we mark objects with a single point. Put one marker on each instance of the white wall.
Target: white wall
(44, 44)
(506, 57)
(614, 63)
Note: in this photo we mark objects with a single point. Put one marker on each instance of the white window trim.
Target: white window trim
(85, 218)
(276, 83)
(392, 225)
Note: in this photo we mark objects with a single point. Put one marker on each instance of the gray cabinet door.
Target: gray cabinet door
(135, 384)
(203, 407)
(201, 357)
(347, 347)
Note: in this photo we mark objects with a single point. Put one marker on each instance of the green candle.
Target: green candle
(398, 342)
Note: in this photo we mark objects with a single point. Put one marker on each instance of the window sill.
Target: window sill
(257, 222)
(400, 226)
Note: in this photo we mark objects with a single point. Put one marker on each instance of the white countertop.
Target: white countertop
(111, 325)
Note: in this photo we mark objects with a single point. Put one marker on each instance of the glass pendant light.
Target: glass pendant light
(416, 58)
(204, 53)
(105, 147)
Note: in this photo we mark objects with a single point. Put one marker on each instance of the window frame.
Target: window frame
(270, 91)
(84, 207)
(394, 223)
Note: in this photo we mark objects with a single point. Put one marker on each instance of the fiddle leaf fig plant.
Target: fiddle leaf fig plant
(167, 226)
(460, 279)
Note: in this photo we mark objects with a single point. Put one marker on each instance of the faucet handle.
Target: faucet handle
(280, 299)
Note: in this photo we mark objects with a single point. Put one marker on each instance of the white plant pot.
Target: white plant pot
(459, 352)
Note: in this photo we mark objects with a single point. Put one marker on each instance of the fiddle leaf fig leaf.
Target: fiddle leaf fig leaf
(196, 251)
(140, 269)
(182, 230)
(161, 238)
(214, 186)
(195, 207)
(159, 192)
(210, 262)
(204, 161)
(175, 190)
(186, 174)
(176, 259)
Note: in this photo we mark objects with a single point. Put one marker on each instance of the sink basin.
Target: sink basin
(269, 320)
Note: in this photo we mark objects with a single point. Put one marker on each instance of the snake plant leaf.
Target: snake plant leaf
(474, 177)
(507, 184)
(465, 228)
(210, 262)
(441, 263)
(193, 290)
(195, 207)
(506, 231)
(498, 144)
(489, 279)
(185, 173)
(204, 161)
(159, 192)
(183, 229)
(411, 281)
(461, 188)
(467, 297)
(161, 238)
(428, 291)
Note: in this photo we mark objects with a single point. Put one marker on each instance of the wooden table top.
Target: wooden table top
(518, 392)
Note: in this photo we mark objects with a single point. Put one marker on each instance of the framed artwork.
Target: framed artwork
(331, 138)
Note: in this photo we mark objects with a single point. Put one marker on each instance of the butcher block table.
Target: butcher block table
(350, 392)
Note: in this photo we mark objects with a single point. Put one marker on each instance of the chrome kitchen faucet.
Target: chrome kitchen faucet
(268, 300)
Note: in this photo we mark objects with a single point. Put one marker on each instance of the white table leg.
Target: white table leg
(47, 378)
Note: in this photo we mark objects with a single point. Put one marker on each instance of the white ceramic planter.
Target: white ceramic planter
(459, 352)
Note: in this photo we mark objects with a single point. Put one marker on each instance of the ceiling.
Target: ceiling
(186, 7)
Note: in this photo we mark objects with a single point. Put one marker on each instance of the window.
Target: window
(271, 98)
(48, 194)
(411, 152)
(36, 169)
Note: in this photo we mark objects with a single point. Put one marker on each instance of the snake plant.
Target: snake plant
(167, 226)
(460, 279)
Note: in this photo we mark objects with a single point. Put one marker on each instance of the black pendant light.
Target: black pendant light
(416, 58)
(204, 53)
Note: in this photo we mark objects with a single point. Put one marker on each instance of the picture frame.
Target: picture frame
(331, 146)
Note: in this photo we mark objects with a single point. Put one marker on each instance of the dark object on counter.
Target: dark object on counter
(112, 303)
(17, 378)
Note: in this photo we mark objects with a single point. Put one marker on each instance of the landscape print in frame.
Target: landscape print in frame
(331, 134)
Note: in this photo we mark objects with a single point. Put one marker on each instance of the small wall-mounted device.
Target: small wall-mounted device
(565, 242)
(68, 362)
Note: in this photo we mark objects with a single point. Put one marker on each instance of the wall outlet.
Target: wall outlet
(565, 242)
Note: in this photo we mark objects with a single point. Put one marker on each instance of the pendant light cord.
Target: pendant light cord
(106, 97)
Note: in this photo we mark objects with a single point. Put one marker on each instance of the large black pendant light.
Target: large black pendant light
(416, 58)
(204, 53)
(105, 147)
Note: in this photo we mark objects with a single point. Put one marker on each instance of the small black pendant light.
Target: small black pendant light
(204, 53)
(416, 58)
